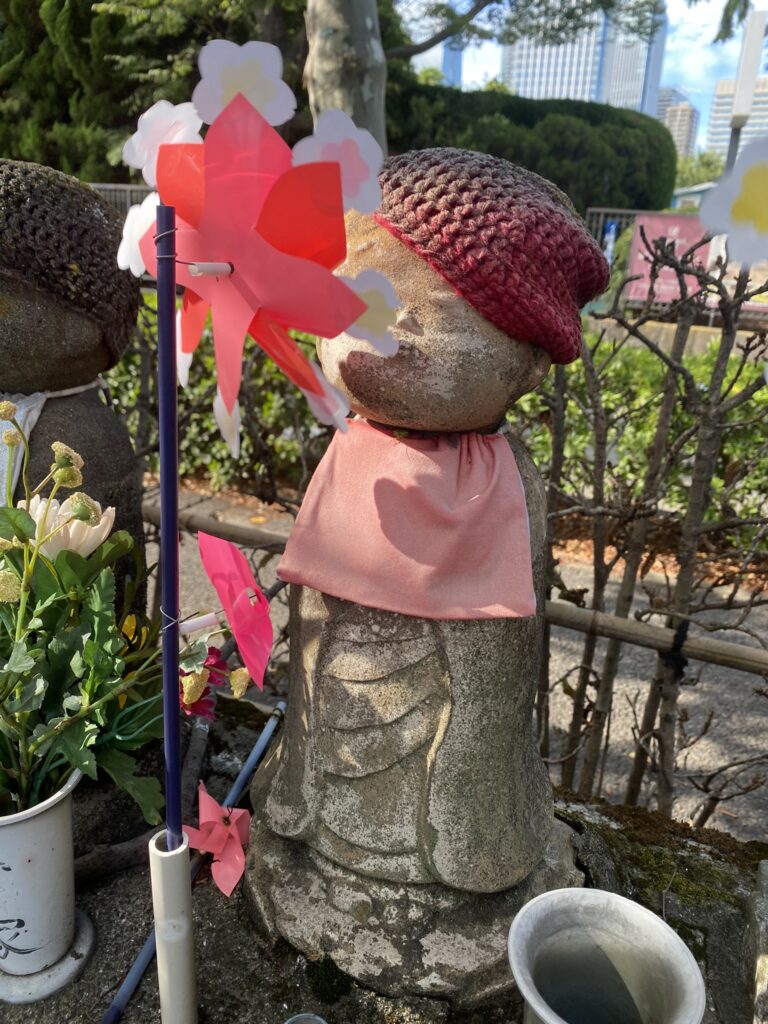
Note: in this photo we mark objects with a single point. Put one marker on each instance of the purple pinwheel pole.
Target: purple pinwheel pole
(169, 850)
(165, 241)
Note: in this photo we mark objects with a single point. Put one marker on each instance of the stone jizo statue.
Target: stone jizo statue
(66, 314)
(406, 814)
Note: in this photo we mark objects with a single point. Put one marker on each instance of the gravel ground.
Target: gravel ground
(740, 724)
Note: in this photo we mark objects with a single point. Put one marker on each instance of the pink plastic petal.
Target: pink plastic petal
(241, 820)
(194, 312)
(227, 869)
(283, 350)
(252, 628)
(208, 808)
(228, 570)
(243, 157)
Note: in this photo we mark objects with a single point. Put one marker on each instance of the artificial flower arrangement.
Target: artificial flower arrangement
(80, 672)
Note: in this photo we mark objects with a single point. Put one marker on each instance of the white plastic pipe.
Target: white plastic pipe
(172, 904)
(585, 956)
(207, 621)
(210, 269)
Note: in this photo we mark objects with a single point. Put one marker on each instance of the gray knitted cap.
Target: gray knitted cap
(61, 236)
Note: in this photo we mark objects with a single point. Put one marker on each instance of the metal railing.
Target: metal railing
(122, 197)
(598, 216)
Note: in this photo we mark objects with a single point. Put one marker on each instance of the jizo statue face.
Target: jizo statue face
(454, 371)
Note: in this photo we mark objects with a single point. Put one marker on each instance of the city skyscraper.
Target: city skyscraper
(453, 58)
(602, 64)
(669, 95)
(719, 131)
(682, 120)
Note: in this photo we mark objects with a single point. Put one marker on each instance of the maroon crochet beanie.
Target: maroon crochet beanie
(508, 241)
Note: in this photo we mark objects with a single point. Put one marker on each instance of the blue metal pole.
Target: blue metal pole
(169, 514)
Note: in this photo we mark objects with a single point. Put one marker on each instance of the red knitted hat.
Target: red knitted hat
(508, 241)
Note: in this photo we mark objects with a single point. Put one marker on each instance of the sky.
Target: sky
(691, 60)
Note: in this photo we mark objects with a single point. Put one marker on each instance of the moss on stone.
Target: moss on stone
(656, 858)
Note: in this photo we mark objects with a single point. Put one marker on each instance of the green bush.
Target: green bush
(631, 392)
(598, 155)
(281, 441)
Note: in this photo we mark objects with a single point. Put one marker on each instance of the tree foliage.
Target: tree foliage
(598, 155)
(76, 74)
(551, 21)
(695, 170)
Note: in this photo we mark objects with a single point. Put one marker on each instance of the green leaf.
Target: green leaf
(74, 571)
(20, 660)
(193, 656)
(144, 790)
(30, 698)
(74, 744)
(64, 653)
(114, 547)
(100, 606)
(16, 522)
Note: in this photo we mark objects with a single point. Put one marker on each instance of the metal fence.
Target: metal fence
(598, 216)
(122, 197)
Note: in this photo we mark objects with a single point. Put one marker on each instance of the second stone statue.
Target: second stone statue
(406, 814)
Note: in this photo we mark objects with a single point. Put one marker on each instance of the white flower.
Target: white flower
(738, 205)
(332, 407)
(380, 297)
(183, 359)
(228, 423)
(75, 535)
(138, 220)
(163, 123)
(254, 69)
(337, 139)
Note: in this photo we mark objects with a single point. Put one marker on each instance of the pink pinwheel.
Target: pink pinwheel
(239, 201)
(228, 570)
(223, 832)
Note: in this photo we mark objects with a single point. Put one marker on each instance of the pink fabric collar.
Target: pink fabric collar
(430, 526)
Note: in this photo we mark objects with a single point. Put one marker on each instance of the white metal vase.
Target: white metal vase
(44, 943)
(585, 956)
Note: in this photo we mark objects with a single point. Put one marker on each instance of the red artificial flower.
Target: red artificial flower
(205, 702)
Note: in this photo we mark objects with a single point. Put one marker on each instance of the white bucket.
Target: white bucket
(37, 884)
(584, 956)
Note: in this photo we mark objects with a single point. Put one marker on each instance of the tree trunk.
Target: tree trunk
(633, 559)
(346, 68)
(555, 479)
(708, 445)
(599, 531)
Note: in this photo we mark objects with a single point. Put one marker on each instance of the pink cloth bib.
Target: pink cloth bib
(430, 526)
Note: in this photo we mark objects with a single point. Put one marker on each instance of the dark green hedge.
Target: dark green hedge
(598, 155)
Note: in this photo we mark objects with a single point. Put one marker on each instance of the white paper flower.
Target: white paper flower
(332, 407)
(137, 222)
(380, 297)
(162, 124)
(183, 359)
(253, 69)
(336, 138)
(228, 423)
(75, 535)
(738, 205)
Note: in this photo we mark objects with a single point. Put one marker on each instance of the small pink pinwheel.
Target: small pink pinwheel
(223, 832)
(228, 570)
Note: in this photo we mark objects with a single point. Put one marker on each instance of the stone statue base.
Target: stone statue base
(398, 939)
